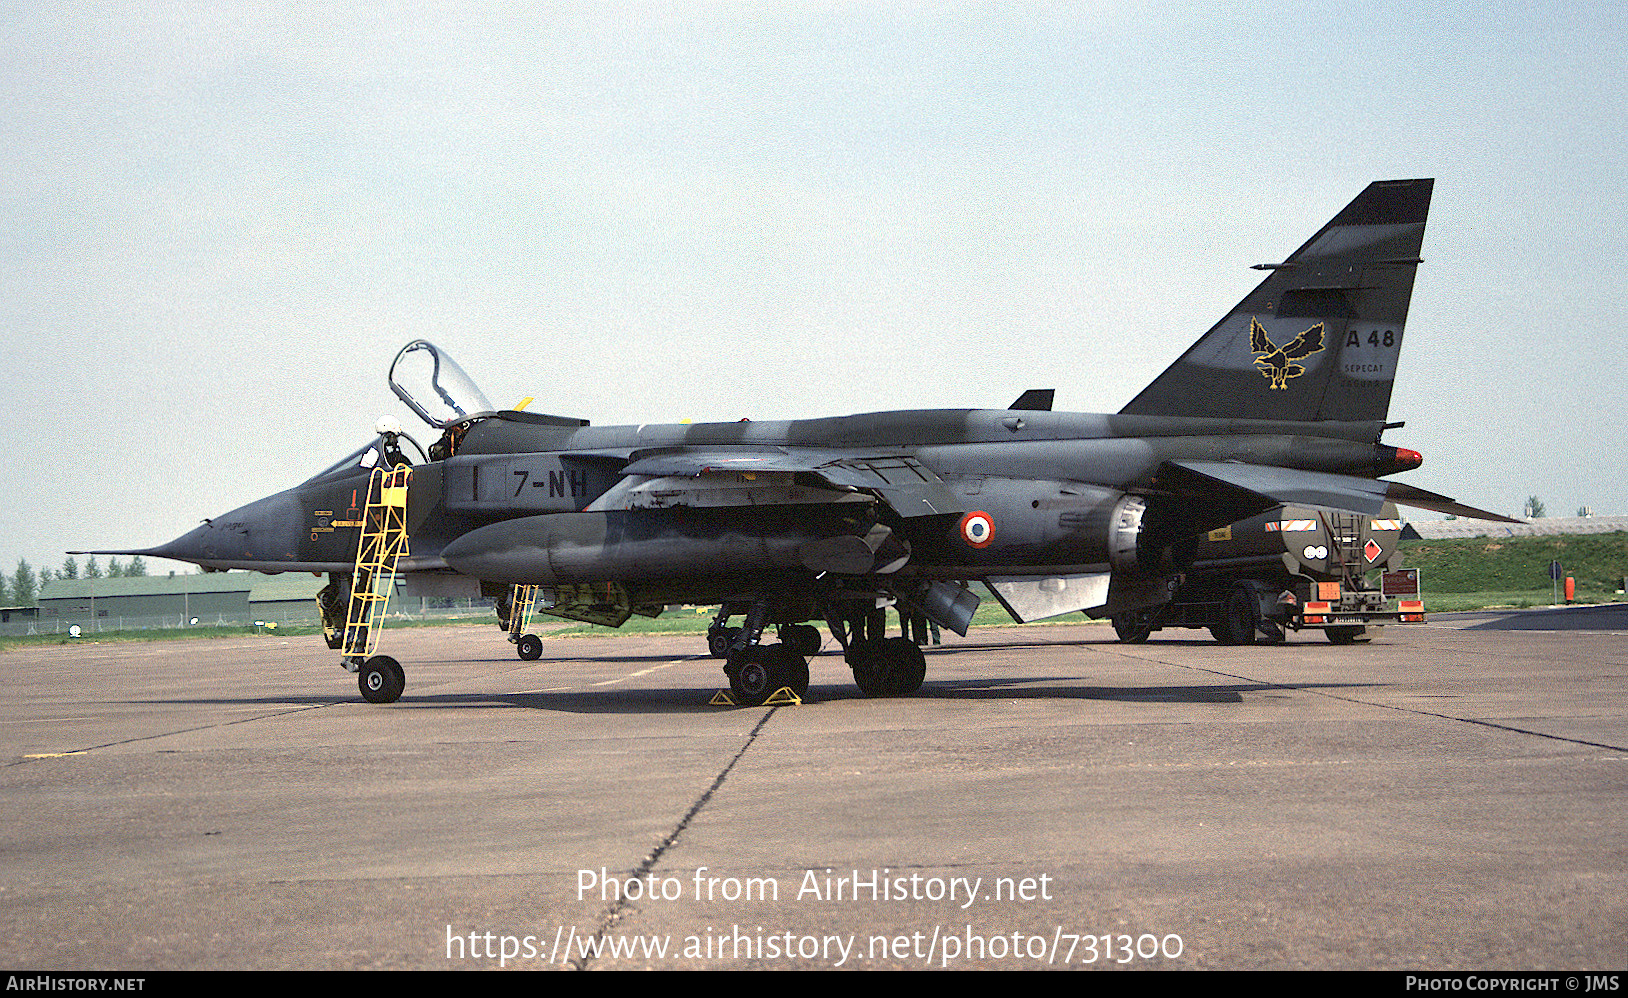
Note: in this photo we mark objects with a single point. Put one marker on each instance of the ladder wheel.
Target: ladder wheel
(529, 647)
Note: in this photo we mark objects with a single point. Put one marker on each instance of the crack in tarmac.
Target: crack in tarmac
(617, 911)
(36, 756)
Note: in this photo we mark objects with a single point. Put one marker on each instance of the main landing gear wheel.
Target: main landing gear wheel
(893, 667)
(719, 639)
(381, 679)
(763, 669)
(529, 647)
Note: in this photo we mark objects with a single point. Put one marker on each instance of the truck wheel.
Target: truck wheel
(1242, 617)
(1133, 628)
(1346, 635)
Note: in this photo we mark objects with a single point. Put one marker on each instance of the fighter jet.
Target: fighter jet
(838, 520)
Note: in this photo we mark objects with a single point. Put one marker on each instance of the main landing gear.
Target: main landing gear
(882, 666)
(763, 670)
(756, 671)
(892, 667)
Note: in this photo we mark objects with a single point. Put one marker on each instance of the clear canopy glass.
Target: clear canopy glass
(434, 386)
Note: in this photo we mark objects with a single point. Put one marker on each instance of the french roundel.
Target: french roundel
(978, 529)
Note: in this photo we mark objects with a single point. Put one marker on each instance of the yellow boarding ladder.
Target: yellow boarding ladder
(522, 606)
(383, 542)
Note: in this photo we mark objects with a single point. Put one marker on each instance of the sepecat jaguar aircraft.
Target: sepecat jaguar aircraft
(836, 520)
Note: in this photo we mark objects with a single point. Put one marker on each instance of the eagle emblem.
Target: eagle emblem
(1277, 363)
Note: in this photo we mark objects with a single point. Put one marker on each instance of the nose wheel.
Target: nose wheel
(381, 679)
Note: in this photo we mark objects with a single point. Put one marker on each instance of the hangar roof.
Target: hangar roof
(260, 587)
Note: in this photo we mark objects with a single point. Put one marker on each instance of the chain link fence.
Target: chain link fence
(268, 618)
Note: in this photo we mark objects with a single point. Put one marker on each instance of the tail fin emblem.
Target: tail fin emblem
(1275, 361)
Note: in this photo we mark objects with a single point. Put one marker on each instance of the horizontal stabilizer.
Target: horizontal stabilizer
(1282, 486)
(1278, 486)
(1407, 495)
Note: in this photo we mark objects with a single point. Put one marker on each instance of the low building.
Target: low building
(176, 600)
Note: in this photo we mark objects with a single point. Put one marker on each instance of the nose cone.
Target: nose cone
(262, 536)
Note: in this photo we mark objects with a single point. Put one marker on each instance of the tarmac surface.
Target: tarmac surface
(1451, 796)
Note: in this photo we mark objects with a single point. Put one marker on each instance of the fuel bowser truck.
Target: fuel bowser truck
(1292, 568)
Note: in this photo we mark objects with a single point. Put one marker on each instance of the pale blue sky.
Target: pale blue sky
(219, 222)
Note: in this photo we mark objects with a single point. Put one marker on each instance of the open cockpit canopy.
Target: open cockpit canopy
(434, 386)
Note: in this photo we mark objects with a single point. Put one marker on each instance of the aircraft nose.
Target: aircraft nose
(267, 530)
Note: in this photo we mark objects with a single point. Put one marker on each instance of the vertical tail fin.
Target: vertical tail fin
(1320, 337)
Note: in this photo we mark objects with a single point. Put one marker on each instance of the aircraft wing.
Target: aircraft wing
(896, 477)
(1279, 486)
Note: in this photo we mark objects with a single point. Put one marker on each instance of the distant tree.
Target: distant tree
(1535, 509)
(136, 569)
(5, 592)
(23, 585)
(70, 569)
(93, 570)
